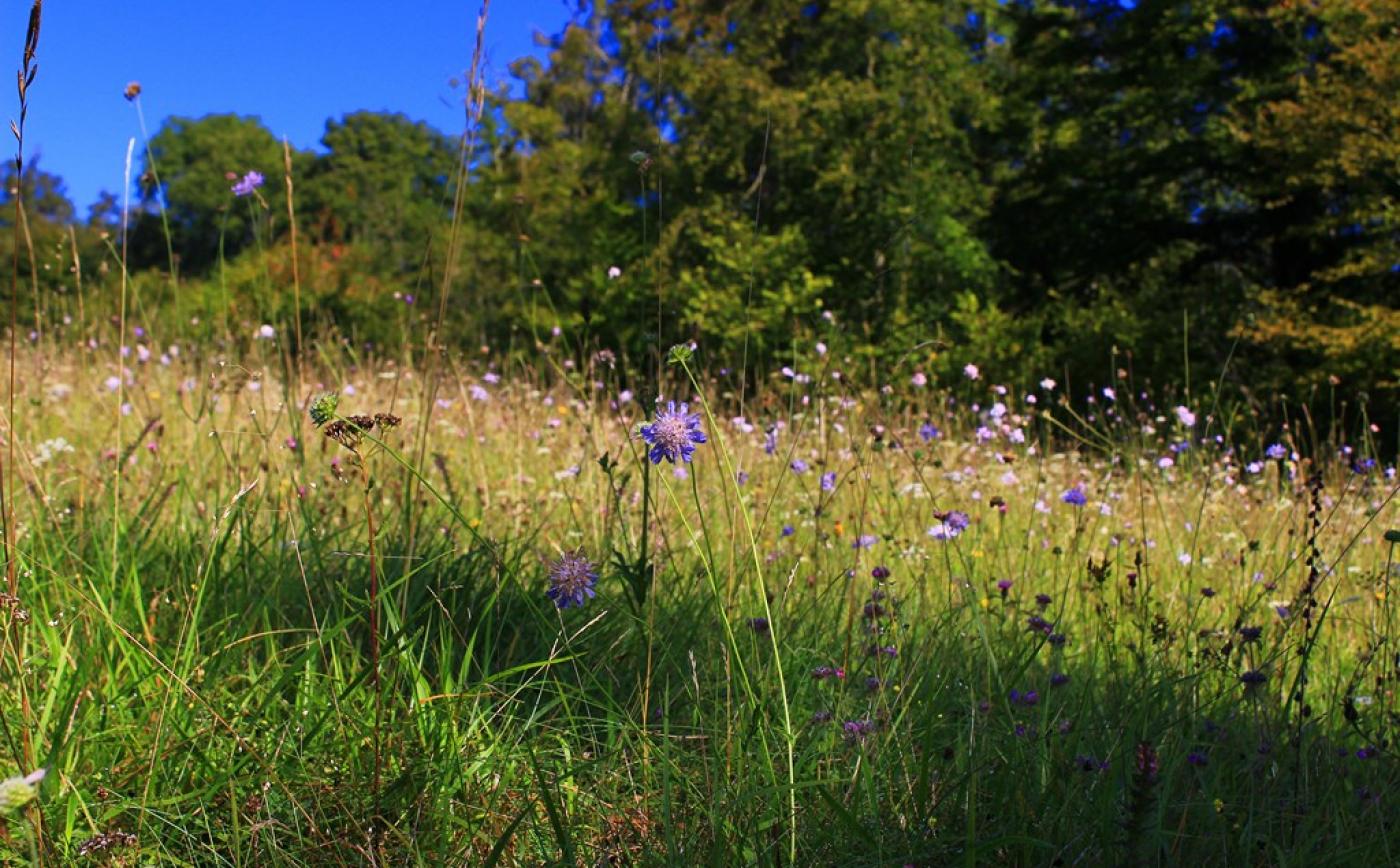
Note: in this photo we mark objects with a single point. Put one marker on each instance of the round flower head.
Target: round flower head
(674, 434)
(17, 792)
(571, 580)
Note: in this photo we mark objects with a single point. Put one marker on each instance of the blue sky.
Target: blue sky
(292, 63)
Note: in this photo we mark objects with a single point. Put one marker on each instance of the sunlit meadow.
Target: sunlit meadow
(871, 620)
(287, 598)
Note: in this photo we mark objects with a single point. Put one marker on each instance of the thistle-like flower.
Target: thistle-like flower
(673, 434)
(571, 580)
(323, 408)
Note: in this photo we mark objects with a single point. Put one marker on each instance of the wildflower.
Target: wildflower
(1059, 679)
(1047, 384)
(821, 717)
(857, 730)
(323, 408)
(247, 184)
(1250, 634)
(266, 333)
(674, 434)
(1166, 462)
(614, 272)
(1037, 624)
(1074, 497)
(1185, 417)
(759, 625)
(1056, 639)
(788, 530)
(1042, 601)
(1184, 559)
(1004, 585)
(880, 573)
(1109, 393)
(950, 525)
(1253, 678)
(829, 481)
(971, 371)
(821, 348)
(1027, 699)
(1207, 592)
(919, 379)
(822, 673)
(1087, 763)
(17, 792)
(571, 580)
(928, 432)
(1368, 752)
(741, 477)
(1276, 452)
(798, 465)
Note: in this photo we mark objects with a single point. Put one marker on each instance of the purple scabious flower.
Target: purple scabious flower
(247, 184)
(864, 541)
(950, 525)
(673, 434)
(857, 730)
(928, 432)
(829, 481)
(798, 465)
(571, 580)
(1074, 497)
(1028, 698)
(1276, 451)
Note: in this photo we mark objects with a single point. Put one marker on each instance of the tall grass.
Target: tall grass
(877, 620)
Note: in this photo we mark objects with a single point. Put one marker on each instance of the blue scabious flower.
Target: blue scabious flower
(1074, 497)
(928, 432)
(673, 434)
(950, 525)
(829, 481)
(571, 580)
(247, 184)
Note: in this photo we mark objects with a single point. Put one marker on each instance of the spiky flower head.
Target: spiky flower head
(323, 408)
(571, 580)
(673, 434)
(17, 792)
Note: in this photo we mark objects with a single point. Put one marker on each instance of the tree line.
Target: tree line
(1183, 190)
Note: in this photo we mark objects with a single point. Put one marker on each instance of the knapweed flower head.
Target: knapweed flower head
(571, 580)
(673, 434)
(247, 184)
(17, 792)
